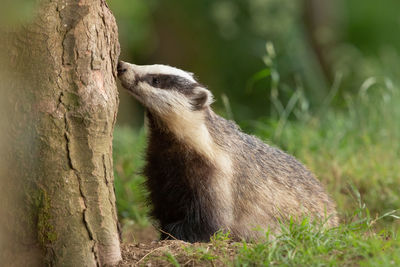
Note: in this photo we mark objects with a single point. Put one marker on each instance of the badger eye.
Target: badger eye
(155, 81)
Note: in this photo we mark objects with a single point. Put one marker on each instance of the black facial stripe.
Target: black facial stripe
(168, 82)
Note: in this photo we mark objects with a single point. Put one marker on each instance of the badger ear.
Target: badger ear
(201, 98)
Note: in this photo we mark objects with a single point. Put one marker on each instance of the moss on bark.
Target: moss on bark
(45, 228)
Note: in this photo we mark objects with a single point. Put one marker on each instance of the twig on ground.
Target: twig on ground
(173, 237)
(152, 251)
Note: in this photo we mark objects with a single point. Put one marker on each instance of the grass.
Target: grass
(303, 247)
(299, 244)
(128, 148)
(354, 151)
(306, 243)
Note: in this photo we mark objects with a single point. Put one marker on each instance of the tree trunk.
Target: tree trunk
(58, 108)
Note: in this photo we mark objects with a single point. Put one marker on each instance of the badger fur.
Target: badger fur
(205, 175)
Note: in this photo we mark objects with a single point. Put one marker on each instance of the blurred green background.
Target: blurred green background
(317, 78)
(223, 43)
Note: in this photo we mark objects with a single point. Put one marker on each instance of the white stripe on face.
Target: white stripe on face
(142, 70)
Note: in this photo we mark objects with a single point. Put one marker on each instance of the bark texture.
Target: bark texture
(59, 105)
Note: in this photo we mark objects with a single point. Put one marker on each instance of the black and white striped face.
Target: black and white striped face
(163, 88)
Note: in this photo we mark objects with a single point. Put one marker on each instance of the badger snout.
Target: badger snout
(121, 68)
(128, 77)
(126, 74)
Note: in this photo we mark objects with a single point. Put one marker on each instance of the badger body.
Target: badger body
(204, 174)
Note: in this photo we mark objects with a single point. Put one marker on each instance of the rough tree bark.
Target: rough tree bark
(58, 109)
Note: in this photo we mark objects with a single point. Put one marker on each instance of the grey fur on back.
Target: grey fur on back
(269, 185)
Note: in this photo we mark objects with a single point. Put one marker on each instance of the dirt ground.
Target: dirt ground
(150, 254)
(141, 247)
(176, 253)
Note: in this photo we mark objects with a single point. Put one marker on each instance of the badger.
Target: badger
(205, 175)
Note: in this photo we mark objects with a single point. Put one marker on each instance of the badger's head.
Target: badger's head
(164, 89)
(176, 101)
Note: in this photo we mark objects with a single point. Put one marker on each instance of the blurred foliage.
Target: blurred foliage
(129, 188)
(223, 41)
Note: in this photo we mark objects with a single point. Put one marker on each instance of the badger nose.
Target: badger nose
(121, 68)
